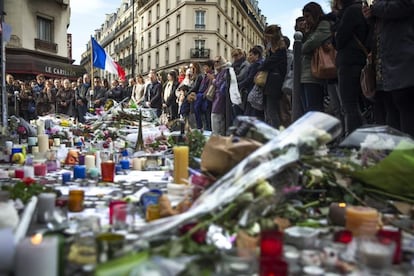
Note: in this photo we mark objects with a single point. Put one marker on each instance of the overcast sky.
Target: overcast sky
(88, 15)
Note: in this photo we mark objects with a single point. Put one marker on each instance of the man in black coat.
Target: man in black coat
(153, 93)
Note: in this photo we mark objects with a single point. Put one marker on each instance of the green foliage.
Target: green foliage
(25, 191)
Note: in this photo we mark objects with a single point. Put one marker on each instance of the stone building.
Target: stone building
(39, 42)
(165, 34)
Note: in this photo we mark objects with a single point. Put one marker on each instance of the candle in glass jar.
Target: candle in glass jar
(37, 256)
(361, 220)
(43, 142)
(56, 142)
(181, 160)
(35, 149)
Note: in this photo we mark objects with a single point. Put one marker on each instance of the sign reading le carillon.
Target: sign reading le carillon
(59, 71)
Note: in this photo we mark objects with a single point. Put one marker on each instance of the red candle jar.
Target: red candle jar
(394, 234)
(112, 205)
(271, 254)
(19, 173)
(40, 169)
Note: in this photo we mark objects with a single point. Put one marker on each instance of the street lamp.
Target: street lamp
(133, 39)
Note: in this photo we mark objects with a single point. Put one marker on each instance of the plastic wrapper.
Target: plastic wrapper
(310, 131)
(385, 160)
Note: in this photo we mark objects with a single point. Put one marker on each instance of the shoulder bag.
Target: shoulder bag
(368, 78)
(323, 61)
(255, 98)
(210, 92)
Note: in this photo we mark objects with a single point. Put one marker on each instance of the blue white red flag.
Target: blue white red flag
(104, 61)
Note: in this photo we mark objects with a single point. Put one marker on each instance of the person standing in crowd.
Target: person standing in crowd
(115, 92)
(153, 93)
(81, 98)
(40, 85)
(27, 102)
(128, 90)
(196, 79)
(65, 98)
(13, 92)
(240, 63)
(218, 110)
(99, 95)
(351, 30)
(275, 64)
(138, 90)
(316, 31)
(246, 84)
(394, 60)
(202, 106)
(44, 102)
(241, 68)
(169, 97)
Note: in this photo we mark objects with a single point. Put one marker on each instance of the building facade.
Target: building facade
(166, 34)
(39, 42)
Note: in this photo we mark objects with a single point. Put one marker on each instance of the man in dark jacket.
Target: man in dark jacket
(351, 28)
(153, 93)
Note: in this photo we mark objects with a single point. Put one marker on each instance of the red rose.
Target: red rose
(28, 181)
(199, 236)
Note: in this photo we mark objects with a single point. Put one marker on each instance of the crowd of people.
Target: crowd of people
(211, 94)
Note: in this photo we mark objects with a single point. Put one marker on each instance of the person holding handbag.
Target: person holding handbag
(394, 60)
(351, 28)
(317, 30)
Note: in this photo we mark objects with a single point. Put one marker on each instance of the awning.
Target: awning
(26, 64)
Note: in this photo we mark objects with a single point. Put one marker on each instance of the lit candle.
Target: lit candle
(37, 256)
(89, 161)
(43, 142)
(180, 164)
(337, 213)
(45, 206)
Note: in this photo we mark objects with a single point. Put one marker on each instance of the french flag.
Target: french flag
(104, 61)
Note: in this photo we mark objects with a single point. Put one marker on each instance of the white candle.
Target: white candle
(56, 142)
(28, 171)
(98, 161)
(35, 149)
(45, 206)
(43, 142)
(40, 127)
(37, 256)
(137, 164)
(89, 161)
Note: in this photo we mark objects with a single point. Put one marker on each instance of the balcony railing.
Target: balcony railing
(46, 45)
(200, 26)
(124, 44)
(199, 53)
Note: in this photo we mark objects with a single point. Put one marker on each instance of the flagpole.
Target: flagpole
(92, 84)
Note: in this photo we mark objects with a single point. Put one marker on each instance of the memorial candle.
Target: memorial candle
(43, 142)
(89, 161)
(37, 256)
(181, 164)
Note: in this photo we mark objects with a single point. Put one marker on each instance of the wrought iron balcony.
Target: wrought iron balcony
(199, 53)
(45, 45)
(200, 26)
